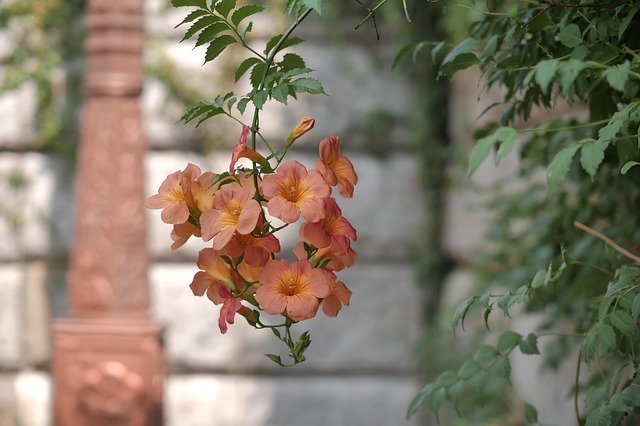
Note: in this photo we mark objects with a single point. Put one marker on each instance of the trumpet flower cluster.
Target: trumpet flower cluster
(239, 213)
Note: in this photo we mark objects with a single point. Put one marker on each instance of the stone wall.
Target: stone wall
(361, 367)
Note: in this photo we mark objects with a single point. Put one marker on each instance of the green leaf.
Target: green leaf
(628, 165)
(508, 137)
(199, 25)
(242, 105)
(592, 154)
(508, 340)
(460, 57)
(600, 416)
(468, 369)
(308, 85)
(280, 93)
(244, 12)
(290, 41)
(617, 403)
(606, 337)
(622, 321)
(613, 127)
(503, 368)
(530, 414)
(545, 71)
(417, 400)
(482, 148)
(559, 167)
(181, 3)
(635, 310)
(479, 153)
(193, 15)
(446, 378)
(529, 346)
(224, 7)
(539, 279)
(504, 302)
(589, 345)
(626, 21)
(211, 32)
(313, 4)
(217, 46)
(570, 36)
(568, 72)
(617, 76)
(257, 73)
(485, 355)
(208, 115)
(259, 98)
(631, 395)
(275, 358)
(461, 311)
(437, 399)
(244, 67)
(292, 61)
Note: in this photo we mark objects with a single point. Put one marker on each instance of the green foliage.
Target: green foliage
(223, 24)
(542, 54)
(43, 41)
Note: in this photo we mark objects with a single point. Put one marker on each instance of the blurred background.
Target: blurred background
(420, 220)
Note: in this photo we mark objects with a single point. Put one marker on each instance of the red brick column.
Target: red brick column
(107, 359)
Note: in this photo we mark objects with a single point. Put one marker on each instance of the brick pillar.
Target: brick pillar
(107, 358)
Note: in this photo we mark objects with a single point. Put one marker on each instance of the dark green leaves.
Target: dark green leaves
(307, 85)
(273, 42)
(508, 340)
(559, 167)
(530, 414)
(244, 12)
(592, 154)
(618, 75)
(544, 73)
(199, 25)
(570, 36)
(529, 345)
(224, 7)
(481, 150)
(245, 66)
(196, 3)
(460, 57)
(192, 16)
(217, 46)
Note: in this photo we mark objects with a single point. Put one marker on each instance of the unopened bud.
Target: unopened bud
(304, 125)
(252, 316)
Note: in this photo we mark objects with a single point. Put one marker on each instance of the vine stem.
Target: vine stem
(607, 241)
(255, 123)
(577, 383)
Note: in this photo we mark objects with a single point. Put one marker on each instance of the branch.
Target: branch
(607, 241)
(549, 6)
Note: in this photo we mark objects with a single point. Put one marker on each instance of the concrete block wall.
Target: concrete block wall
(360, 368)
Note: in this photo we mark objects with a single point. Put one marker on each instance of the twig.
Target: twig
(607, 241)
(549, 6)
(577, 384)
(406, 11)
(371, 14)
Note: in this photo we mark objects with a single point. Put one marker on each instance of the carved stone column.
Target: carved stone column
(107, 359)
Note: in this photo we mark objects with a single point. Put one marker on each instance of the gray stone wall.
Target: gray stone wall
(360, 368)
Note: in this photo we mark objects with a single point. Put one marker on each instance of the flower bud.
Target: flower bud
(304, 125)
(252, 316)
